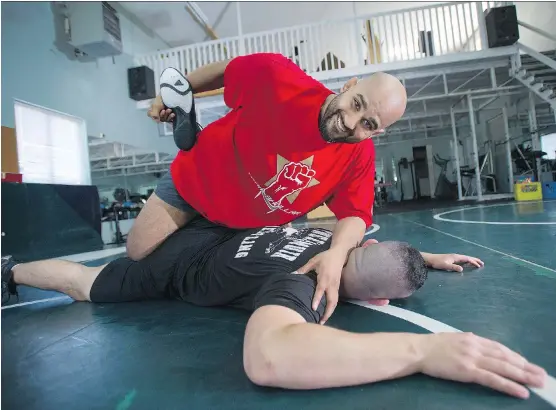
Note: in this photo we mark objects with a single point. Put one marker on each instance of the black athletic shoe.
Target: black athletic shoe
(8, 285)
(177, 94)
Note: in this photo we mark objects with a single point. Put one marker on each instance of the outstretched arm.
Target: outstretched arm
(282, 350)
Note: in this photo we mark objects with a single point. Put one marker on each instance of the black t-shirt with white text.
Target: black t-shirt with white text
(232, 272)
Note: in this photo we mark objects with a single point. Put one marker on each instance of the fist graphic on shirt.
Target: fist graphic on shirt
(292, 178)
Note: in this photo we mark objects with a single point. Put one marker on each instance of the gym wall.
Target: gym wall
(541, 15)
(35, 71)
(440, 146)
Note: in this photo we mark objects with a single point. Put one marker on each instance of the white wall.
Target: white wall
(541, 15)
(440, 146)
(33, 70)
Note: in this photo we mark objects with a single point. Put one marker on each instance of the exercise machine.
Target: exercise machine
(445, 189)
(487, 176)
(405, 163)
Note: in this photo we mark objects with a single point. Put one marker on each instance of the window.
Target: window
(52, 147)
(548, 145)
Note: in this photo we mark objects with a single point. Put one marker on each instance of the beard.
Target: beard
(331, 124)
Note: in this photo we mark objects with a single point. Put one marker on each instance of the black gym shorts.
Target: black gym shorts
(160, 274)
(188, 267)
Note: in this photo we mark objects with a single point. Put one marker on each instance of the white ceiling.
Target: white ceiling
(175, 26)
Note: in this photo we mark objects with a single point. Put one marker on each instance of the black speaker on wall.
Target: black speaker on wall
(140, 81)
(501, 26)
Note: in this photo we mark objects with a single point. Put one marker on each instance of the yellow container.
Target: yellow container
(530, 191)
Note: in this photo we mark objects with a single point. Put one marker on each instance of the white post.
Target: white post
(358, 46)
(430, 165)
(478, 184)
(199, 115)
(534, 133)
(508, 148)
(240, 30)
(125, 188)
(456, 152)
(482, 25)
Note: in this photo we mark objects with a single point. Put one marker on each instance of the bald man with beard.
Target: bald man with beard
(287, 146)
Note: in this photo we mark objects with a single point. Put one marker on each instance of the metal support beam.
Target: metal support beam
(240, 29)
(533, 127)
(219, 17)
(456, 153)
(199, 17)
(493, 77)
(487, 103)
(469, 80)
(482, 25)
(478, 184)
(508, 149)
(423, 87)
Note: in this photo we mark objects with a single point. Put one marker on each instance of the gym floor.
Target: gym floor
(169, 355)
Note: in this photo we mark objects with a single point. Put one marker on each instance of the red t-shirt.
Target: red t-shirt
(265, 162)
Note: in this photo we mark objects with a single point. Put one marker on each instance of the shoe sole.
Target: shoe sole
(175, 90)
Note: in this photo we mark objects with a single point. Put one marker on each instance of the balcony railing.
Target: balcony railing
(405, 35)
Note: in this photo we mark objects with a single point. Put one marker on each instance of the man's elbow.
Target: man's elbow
(260, 363)
(263, 347)
(259, 369)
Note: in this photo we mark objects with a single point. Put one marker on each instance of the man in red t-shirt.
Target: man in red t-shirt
(287, 146)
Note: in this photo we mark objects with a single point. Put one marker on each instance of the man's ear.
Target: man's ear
(379, 132)
(349, 84)
(378, 302)
(369, 242)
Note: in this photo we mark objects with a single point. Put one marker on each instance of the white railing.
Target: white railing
(404, 35)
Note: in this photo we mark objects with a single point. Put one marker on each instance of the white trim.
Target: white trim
(425, 322)
(33, 302)
(547, 393)
(372, 229)
(407, 65)
(479, 245)
(89, 256)
(439, 217)
(42, 107)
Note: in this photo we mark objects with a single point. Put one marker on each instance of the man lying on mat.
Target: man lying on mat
(287, 145)
(211, 265)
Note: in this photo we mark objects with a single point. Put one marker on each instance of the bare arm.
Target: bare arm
(282, 350)
(209, 77)
(299, 355)
(450, 261)
(348, 234)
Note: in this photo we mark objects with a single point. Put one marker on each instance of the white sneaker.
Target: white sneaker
(177, 94)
